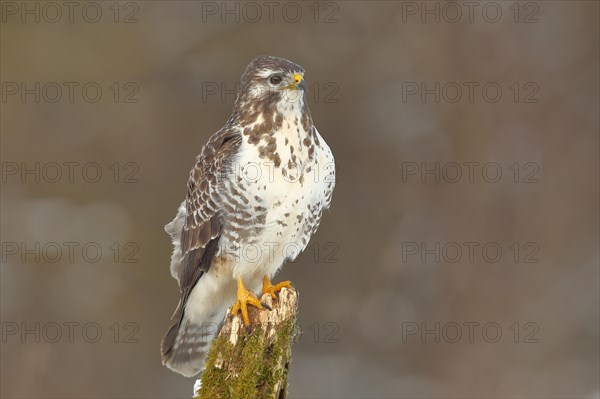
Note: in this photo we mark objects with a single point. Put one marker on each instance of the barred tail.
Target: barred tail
(201, 309)
(185, 345)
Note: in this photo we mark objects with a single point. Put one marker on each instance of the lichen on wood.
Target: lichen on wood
(253, 363)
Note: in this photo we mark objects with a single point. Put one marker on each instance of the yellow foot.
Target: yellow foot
(271, 289)
(244, 298)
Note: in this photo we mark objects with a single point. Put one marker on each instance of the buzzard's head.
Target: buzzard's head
(272, 80)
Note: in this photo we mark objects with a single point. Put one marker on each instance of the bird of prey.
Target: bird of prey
(255, 196)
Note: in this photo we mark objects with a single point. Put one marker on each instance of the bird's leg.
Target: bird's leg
(271, 289)
(244, 298)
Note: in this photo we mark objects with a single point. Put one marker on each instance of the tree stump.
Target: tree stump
(253, 363)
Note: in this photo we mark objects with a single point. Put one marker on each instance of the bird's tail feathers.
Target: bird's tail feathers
(186, 343)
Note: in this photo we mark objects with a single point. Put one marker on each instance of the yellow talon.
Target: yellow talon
(271, 289)
(244, 298)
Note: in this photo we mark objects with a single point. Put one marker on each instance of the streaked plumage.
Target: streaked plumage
(255, 197)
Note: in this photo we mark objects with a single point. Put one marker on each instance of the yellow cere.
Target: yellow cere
(292, 86)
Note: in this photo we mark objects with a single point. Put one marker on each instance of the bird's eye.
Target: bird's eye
(275, 79)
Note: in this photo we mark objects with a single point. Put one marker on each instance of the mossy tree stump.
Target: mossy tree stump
(253, 364)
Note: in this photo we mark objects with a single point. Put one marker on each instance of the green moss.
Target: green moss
(215, 379)
(279, 352)
(249, 369)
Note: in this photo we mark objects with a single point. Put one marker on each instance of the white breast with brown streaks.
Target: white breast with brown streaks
(281, 187)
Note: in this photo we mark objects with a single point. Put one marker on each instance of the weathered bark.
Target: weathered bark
(253, 364)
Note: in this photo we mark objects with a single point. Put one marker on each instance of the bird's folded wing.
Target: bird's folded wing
(202, 227)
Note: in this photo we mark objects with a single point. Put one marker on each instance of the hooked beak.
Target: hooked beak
(298, 83)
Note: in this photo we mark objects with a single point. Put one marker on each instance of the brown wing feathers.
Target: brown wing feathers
(202, 228)
(202, 222)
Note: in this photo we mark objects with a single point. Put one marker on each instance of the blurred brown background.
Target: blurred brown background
(384, 267)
